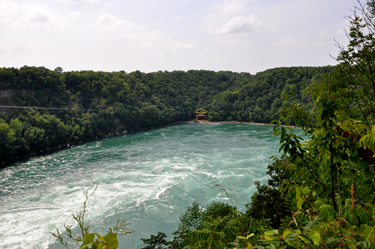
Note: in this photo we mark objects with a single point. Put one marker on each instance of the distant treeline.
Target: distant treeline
(104, 103)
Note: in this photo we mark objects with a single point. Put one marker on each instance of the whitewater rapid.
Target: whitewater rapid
(147, 178)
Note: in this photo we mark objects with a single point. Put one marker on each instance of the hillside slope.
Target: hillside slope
(98, 104)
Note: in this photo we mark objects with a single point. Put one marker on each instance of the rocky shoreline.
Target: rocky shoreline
(236, 122)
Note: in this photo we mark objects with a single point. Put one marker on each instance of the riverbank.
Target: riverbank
(4, 164)
(232, 122)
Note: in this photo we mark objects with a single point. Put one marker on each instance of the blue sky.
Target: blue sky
(151, 35)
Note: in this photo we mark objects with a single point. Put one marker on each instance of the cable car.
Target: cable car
(201, 114)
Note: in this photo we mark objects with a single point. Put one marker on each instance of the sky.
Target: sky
(152, 35)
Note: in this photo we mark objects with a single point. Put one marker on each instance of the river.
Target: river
(147, 178)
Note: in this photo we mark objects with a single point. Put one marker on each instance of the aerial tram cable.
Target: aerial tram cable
(50, 108)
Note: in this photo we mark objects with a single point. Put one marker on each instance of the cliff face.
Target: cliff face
(10, 93)
(7, 98)
(6, 94)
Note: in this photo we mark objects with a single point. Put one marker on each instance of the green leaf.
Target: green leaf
(286, 233)
(302, 237)
(271, 235)
(249, 246)
(364, 244)
(364, 164)
(369, 232)
(247, 237)
(299, 203)
(100, 237)
(112, 241)
(250, 235)
(355, 159)
(298, 193)
(305, 190)
(87, 241)
(336, 159)
(315, 237)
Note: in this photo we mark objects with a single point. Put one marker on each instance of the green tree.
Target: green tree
(58, 70)
(330, 178)
(7, 138)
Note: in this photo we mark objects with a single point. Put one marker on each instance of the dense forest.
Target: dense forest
(99, 104)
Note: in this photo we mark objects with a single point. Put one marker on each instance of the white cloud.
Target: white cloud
(233, 41)
(319, 43)
(340, 32)
(232, 17)
(16, 47)
(180, 46)
(146, 46)
(127, 31)
(231, 7)
(78, 1)
(109, 22)
(36, 16)
(216, 32)
(7, 11)
(178, 17)
(287, 41)
(29, 15)
(76, 13)
(322, 33)
(240, 24)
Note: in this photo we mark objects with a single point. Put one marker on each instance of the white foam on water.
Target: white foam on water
(54, 208)
(148, 181)
(29, 221)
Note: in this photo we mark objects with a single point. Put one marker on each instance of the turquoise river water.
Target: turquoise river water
(147, 178)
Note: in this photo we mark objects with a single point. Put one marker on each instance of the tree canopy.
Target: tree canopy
(98, 104)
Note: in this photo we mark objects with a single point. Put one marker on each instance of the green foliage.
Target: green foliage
(219, 225)
(268, 202)
(118, 102)
(156, 242)
(330, 178)
(258, 98)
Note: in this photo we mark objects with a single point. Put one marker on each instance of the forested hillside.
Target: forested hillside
(98, 104)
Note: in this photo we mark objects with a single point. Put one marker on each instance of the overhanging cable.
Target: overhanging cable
(48, 108)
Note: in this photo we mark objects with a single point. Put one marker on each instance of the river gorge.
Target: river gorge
(148, 178)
